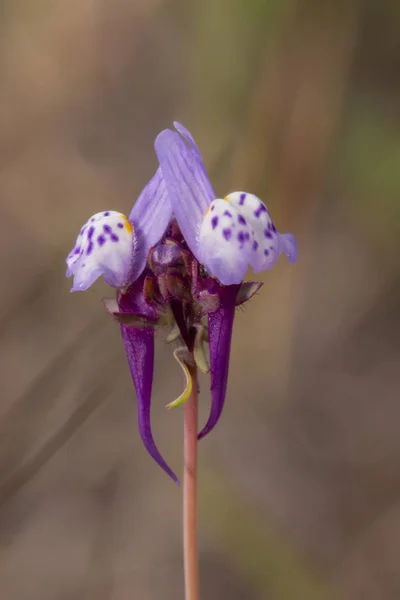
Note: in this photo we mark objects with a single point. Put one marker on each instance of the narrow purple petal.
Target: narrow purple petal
(220, 324)
(139, 348)
(189, 188)
(150, 217)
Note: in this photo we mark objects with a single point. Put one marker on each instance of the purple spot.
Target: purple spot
(120, 225)
(268, 234)
(227, 213)
(241, 237)
(92, 219)
(213, 206)
(77, 250)
(107, 214)
(241, 220)
(89, 248)
(101, 240)
(242, 199)
(227, 233)
(107, 229)
(90, 233)
(255, 245)
(214, 222)
(114, 237)
(82, 231)
(259, 211)
(247, 235)
(273, 228)
(266, 252)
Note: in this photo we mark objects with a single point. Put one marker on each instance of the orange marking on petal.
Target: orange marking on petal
(128, 225)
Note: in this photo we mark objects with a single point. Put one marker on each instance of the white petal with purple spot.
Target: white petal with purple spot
(237, 232)
(266, 240)
(225, 242)
(103, 247)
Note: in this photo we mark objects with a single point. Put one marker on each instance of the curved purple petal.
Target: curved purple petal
(139, 348)
(188, 186)
(220, 325)
(150, 217)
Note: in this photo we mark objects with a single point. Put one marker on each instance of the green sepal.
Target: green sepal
(181, 355)
(200, 353)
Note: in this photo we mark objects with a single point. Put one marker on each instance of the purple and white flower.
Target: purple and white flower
(179, 261)
(117, 247)
(225, 235)
(112, 245)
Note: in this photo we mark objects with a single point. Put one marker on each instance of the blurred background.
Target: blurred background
(294, 100)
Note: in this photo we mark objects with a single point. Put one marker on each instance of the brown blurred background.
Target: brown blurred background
(296, 101)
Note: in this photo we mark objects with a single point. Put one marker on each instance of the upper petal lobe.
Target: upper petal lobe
(188, 186)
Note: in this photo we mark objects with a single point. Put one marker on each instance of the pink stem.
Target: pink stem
(190, 559)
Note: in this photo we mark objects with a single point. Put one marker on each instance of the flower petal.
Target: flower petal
(150, 217)
(139, 348)
(188, 186)
(103, 247)
(238, 232)
(185, 133)
(289, 246)
(225, 243)
(267, 243)
(220, 324)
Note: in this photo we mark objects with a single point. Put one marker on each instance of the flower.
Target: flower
(178, 261)
(117, 247)
(174, 292)
(225, 235)
(112, 245)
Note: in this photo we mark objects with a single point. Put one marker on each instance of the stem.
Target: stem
(190, 494)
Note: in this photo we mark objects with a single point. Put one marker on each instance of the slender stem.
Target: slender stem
(190, 559)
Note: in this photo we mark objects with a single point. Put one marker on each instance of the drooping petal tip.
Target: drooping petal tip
(220, 326)
(139, 349)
